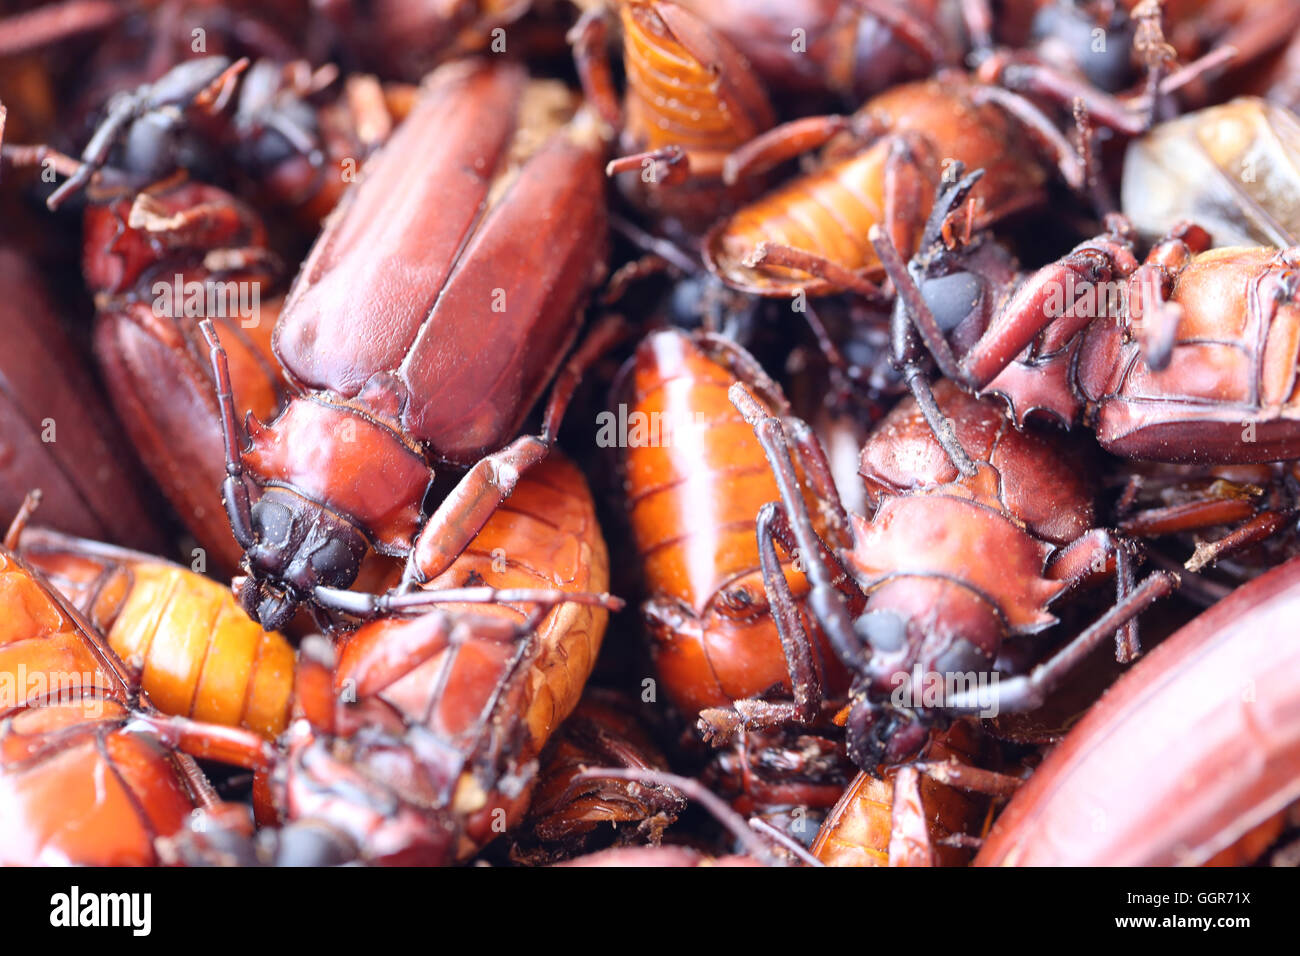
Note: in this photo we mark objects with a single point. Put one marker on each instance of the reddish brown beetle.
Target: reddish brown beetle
(942, 576)
(1212, 378)
(1206, 730)
(157, 262)
(55, 432)
(346, 466)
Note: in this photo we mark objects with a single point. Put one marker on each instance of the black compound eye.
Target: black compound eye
(885, 631)
(962, 657)
(334, 563)
(952, 298)
(271, 522)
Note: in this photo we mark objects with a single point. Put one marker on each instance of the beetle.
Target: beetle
(158, 262)
(811, 235)
(55, 429)
(182, 636)
(1210, 378)
(502, 676)
(379, 768)
(1172, 729)
(83, 780)
(1229, 168)
(690, 99)
(345, 466)
(416, 738)
(696, 482)
(943, 575)
(296, 154)
(853, 49)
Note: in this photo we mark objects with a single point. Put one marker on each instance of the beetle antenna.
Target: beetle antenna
(234, 491)
(366, 605)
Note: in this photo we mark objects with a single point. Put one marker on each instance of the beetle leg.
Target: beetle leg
(1028, 691)
(1041, 130)
(30, 503)
(782, 143)
(589, 40)
(963, 776)
(234, 490)
(365, 605)
(666, 166)
(788, 257)
(817, 470)
(1047, 296)
(911, 32)
(95, 155)
(1190, 516)
(979, 23)
(228, 745)
(912, 305)
(1259, 528)
(827, 604)
(39, 27)
(1092, 556)
(910, 843)
(717, 725)
(1155, 317)
(940, 426)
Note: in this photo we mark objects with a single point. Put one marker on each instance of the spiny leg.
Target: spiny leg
(717, 725)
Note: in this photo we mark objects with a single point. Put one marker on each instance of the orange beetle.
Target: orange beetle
(811, 234)
(691, 99)
(82, 780)
(696, 481)
(183, 636)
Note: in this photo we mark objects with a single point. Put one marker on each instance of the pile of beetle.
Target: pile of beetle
(928, 370)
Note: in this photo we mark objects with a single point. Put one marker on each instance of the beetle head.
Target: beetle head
(933, 628)
(298, 545)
